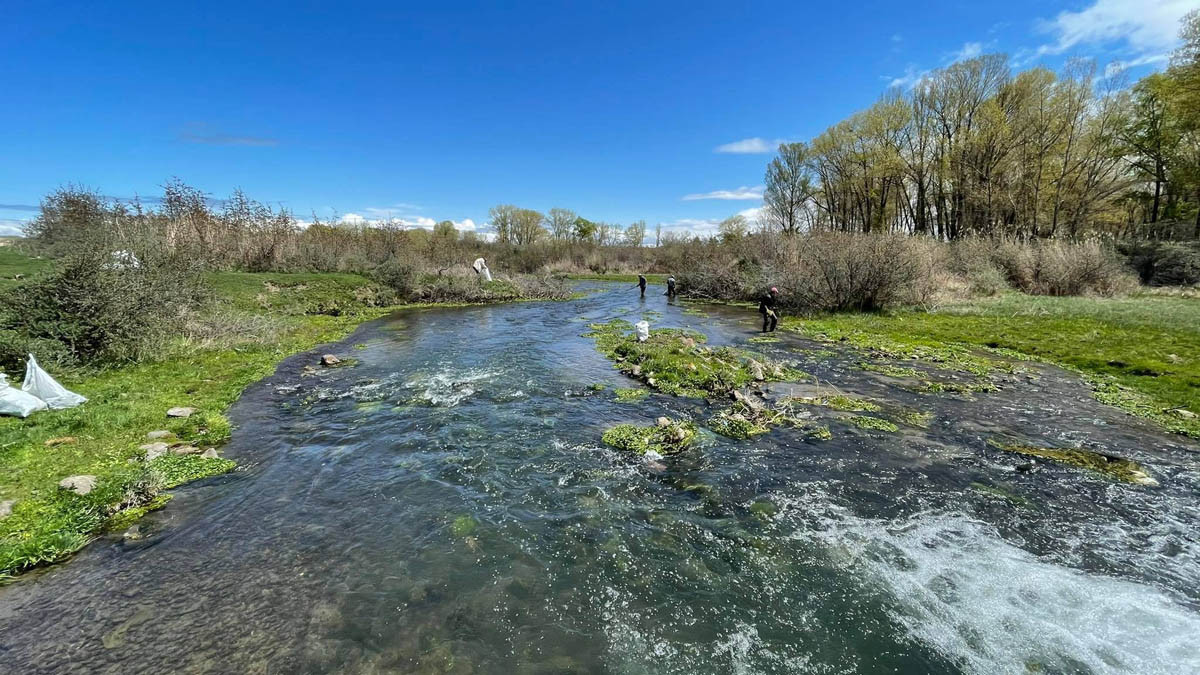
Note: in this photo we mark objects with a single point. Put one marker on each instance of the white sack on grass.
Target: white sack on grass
(643, 330)
(13, 401)
(39, 383)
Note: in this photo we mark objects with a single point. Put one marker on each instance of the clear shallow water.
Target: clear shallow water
(446, 506)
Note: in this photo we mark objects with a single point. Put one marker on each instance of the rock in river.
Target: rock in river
(330, 360)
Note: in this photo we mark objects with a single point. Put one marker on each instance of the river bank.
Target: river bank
(449, 504)
(252, 322)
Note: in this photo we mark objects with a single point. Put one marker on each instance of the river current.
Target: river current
(445, 505)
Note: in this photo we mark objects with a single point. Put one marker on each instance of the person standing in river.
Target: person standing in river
(766, 307)
(642, 284)
(670, 287)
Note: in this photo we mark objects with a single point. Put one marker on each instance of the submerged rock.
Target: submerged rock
(1117, 468)
(80, 485)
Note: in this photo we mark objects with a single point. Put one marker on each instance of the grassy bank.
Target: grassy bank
(1140, 353)
(253, 322)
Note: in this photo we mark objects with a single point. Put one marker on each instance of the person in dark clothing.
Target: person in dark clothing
(642, 284)
(670, 287)
(766, 307)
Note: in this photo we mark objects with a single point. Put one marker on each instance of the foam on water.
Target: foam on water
(992, 607)
(449, 386)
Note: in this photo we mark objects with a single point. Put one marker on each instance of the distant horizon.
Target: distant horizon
(620, 113)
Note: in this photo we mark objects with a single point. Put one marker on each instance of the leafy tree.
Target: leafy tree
(635, 233)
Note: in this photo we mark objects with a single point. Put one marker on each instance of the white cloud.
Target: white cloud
(739, 193)
(408, 223)
(752, 214)
(750, 146)
(464, 225)
(692, 226)
(1118, 67)
(1146, 29)
(969, 50)
(908, 80)
(12, 228)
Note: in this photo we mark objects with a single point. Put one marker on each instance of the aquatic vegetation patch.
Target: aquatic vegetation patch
(872, 423)
(123, 519)
(914, 418)
(954, 387)
(837, 402)
(179, 469)
(743, 420)
(675, 361)
(889, 369)
(597, 387)
(630, 395)
(1107, 390)
(764, 339)
(464, 526)
(1001, 493)
(665, 438)
(1116, 468)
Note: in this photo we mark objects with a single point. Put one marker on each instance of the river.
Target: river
(445, 505)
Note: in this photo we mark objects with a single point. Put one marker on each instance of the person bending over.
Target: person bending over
(766, 307)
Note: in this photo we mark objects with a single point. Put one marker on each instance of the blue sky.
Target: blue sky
(621, 111)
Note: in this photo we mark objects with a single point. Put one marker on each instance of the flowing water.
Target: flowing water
(445, 505)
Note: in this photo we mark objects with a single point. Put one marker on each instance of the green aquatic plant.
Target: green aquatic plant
(123, 519)
(631, 395)
(837, 402)
(179, 469)
(889, 369)
(820, 433)
(872, 423)
(914, 418)
(464, 526)
(966, 388)
(597, 387)
(665, 439)
(675, 361)
(764, 339)
(1117, 468)
(736, 424)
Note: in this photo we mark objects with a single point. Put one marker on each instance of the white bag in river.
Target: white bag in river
(643, 330)
(39, 383)
(13, 401)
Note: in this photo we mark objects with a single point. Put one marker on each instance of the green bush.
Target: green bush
(98, 310)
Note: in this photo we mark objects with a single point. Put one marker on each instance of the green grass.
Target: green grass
(48, 524)
(14, 262)
(1140, 353)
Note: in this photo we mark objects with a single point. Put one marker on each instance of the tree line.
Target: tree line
(515, 225)
(975, 150)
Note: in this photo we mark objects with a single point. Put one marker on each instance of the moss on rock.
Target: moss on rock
(675, 361)
(1117, 468)
(630, 395)
(872, 423)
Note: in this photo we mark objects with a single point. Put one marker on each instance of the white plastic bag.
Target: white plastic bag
(643, 330)
(13, 401)
(39, 383)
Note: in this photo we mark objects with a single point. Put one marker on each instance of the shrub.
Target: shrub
(1165, 263)
(398, 275)
(836, 271)
(99, 311)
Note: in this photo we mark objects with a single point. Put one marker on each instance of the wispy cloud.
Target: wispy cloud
(381, 217)
(203, 134)
(912, 75)
(739, 193)
(692, 226)
(1142, 29)
(969, 50)
(750, 146)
